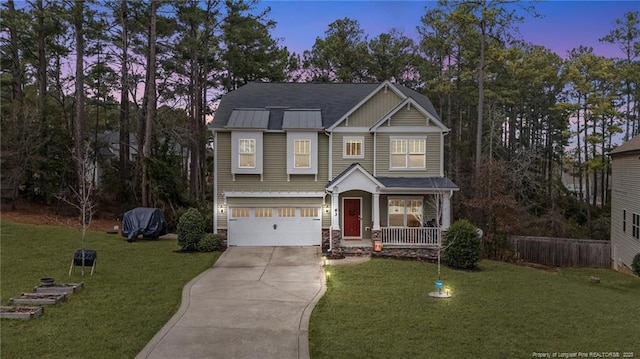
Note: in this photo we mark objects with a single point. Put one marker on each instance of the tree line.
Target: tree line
(520, 115)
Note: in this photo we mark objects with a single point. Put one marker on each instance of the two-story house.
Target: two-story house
(329, 164)
(625, 203)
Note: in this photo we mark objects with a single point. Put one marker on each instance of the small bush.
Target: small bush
(635, 265)
(210, 243)
(463, 247)
(190, 230)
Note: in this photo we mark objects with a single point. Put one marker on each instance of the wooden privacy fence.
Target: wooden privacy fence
(562, 252)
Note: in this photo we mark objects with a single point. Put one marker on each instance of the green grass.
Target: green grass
(136, 289)
(380, 309)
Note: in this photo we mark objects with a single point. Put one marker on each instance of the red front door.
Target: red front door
(351, 215)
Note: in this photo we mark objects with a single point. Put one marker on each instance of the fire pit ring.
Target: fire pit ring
(47, 281)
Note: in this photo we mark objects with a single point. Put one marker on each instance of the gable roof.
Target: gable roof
(333, 100)
(409, 100)
(629, 146)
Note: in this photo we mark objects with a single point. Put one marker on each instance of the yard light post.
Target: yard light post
(438, 283)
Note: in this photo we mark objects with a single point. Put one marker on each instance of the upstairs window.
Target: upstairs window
(407, 153)
(247, 153)
(635, 225)
(353, 147)
(302, 153)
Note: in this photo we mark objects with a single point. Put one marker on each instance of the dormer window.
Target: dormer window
(302, 155)
(247, 153)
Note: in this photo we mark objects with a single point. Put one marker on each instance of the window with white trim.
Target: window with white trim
(408, 153)
(353, 147)
(247, 153)
(302, 153)
(635, 225)
(405, 212)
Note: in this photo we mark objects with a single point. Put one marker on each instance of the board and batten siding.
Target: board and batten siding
(274, 176)
(409, 116)
(625, 195)
(433, 156)
(372, 110)
(340, 164)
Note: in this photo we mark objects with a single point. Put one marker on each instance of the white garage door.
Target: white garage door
(275, 226)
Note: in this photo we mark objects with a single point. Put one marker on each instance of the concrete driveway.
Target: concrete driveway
(254, 303)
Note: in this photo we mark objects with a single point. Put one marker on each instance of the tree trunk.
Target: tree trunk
(483, 40)
(150, 95)
(124, 100)
(16, 74)
(79, 125)
(42, 61)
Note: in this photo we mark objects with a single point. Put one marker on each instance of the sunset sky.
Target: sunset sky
(564, 24)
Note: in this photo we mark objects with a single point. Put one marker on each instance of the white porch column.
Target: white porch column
(376, 211)
(335, 203)
(446, 210)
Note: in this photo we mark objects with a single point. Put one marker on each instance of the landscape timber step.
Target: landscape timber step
(66, 288)
(38, 298)
(20, 312)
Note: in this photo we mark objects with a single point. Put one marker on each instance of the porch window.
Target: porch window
(302, 153)
(353, 147)
(408, 153)
(247, 153)
(405, 213)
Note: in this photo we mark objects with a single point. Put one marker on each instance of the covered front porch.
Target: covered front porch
(401, 212)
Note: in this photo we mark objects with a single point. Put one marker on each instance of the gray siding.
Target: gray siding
(625, 195)
(340, 163)
(371, 111)
(275, 170)
(434, 157)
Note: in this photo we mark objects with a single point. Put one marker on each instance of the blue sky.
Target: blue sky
(564, 25)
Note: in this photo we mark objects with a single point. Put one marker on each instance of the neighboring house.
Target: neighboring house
(331, 164)
(625, 203)
(108, 150)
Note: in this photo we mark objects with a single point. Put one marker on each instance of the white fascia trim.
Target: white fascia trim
(346, 175)
(399, 190)
(373, 93)
(408, 129)
(269, 194)
(351, 130)
(422, 110)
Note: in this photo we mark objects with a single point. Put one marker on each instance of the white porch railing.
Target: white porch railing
(411, 237)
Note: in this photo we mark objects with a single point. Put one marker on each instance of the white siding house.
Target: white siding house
(625, 203)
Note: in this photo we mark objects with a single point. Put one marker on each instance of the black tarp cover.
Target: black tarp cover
(146, 221)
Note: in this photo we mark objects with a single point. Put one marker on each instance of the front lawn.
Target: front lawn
(136, 289)
(380, 309)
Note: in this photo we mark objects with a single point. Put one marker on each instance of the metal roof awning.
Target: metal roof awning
(249, 118)
(302, 120)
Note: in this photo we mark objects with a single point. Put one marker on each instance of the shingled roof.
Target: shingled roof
(629, 146)
(332, 99)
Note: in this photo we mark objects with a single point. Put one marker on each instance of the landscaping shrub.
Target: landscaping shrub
(462, 245)
(190, 230)
(635, 265)
(210, 243)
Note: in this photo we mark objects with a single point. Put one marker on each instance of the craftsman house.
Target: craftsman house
(304, 164)
(625, 203)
